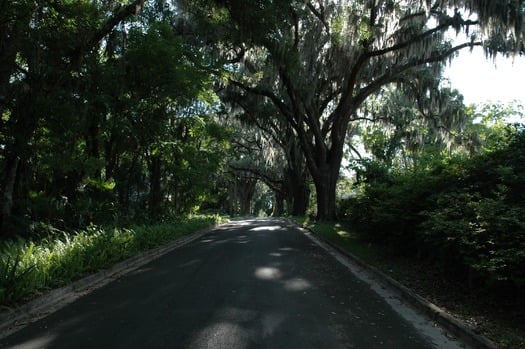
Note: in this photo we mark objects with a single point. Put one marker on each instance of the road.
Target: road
(250, 284)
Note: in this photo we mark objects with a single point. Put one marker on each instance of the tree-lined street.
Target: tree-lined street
(249, 284)
(126, 124)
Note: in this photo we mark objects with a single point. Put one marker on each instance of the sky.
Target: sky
(481, 79)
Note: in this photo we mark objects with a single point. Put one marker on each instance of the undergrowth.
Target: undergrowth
(28, 267)
(487, 314)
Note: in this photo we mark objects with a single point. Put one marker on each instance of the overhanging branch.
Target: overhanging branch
(120, 15)
(392, 73)
(419, 37)
(281, 106)
(274, 184)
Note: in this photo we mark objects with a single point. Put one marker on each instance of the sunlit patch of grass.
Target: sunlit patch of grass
(345, 238)
(28, 267)
(344, 234)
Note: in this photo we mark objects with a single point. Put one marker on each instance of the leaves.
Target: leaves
(465, 214)
(27, 267)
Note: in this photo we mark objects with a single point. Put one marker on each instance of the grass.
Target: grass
(504, 326)
(29, 267)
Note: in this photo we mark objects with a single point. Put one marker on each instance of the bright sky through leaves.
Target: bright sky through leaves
(482, 79)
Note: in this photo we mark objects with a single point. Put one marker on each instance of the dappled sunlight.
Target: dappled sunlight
(274, 274)
(265, 294)
(343, 234)
(236, 327)
(236, 314)
(39, 342)
(243, 222)
(267, 227)
(242, 239)
(222, 334)
(297, 284)
(268, 273)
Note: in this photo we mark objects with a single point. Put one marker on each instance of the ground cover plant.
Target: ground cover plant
(28, 267)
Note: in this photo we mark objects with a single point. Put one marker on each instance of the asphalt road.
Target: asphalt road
(250, 284)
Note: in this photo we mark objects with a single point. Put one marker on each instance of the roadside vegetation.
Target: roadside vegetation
(448, 225)
(488, 314)
(29, 267)
(115, 114)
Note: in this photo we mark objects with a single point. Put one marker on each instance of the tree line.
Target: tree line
(106, 113)
(126, 109)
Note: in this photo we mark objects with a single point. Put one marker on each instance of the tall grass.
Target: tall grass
(28, 267)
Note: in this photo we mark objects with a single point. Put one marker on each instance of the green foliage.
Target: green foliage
(27, 266)
(482, 219)
(464, 214)
(387, 208)
(107, 133)
(15, 272)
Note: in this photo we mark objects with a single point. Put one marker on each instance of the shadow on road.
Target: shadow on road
(256, 283)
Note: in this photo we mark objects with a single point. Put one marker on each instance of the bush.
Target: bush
(464, 215)
(485, 235)
(388, 209)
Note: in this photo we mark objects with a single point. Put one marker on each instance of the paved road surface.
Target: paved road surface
(249, 284)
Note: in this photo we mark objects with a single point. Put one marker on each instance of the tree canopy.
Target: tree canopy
(123, 112)
(105, 114)
(127, 92)
(319, 61)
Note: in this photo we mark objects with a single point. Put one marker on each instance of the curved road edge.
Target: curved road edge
(455, 326)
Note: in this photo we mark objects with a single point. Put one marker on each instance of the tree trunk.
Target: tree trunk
(298, 194)
(324, 164)
(7, 191)
(278, 208)
(246, 189)
(7, 66)
(245, 205)
(92, 140)
(296, 179)
(232, 199)
(325, 186)
(300, 197)
(155, 195)
(301, 202)
(25, 119)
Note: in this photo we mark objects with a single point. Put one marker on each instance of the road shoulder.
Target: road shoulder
(454, 327)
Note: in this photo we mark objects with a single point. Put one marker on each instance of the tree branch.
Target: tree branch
(258, 175)
(392, 73)
(319, 15)
(281, 106)
(122, 14)
(419, 37)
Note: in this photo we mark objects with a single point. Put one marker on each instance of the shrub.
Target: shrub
(464, 215)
